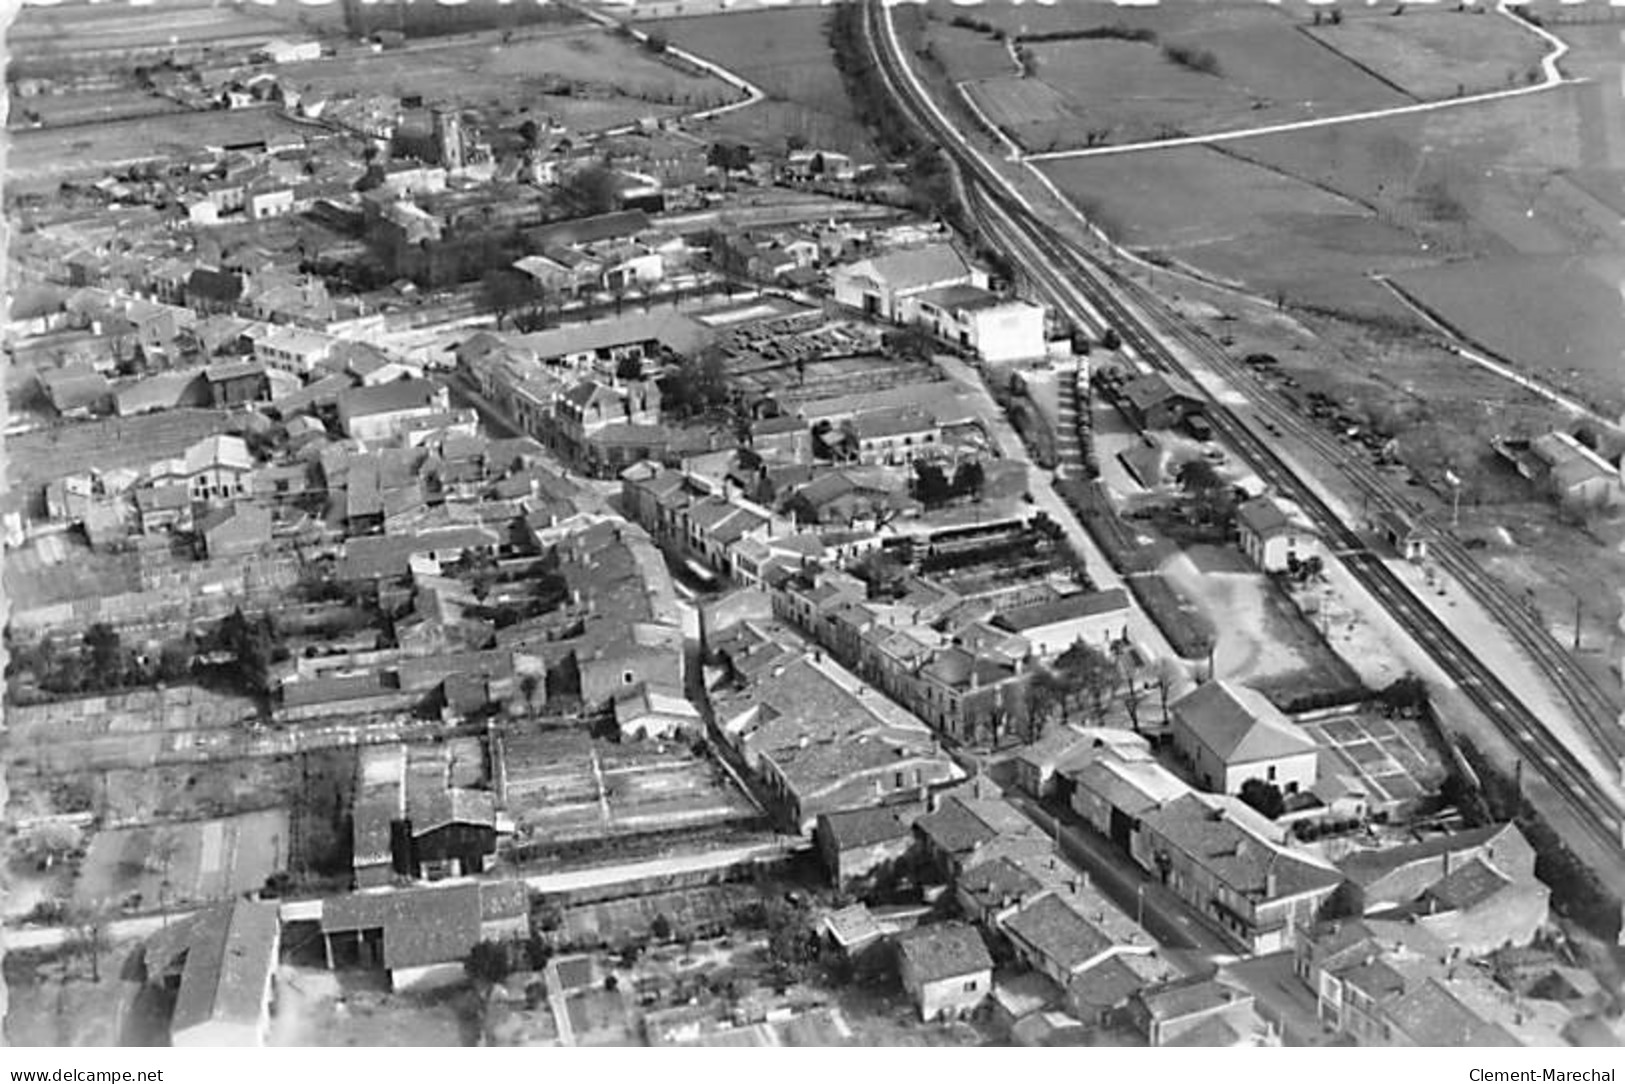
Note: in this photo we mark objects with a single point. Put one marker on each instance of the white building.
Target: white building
(879, 285)
(1269, 536)
(291, 349)
(997, 329)
(227, 974)
(1229, 734)
(380, 413)
(282, 51)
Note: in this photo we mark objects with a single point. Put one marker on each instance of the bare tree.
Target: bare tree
(1093, 675)
(87, 926)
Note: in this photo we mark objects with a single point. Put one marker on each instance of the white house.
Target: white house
(271, 202)
(1228, 734)
(380, 412)
(291, 349)
(880, 284)
(227, 975)
(1269, 536)
(997, 329)
(215, 468)
(1098, 618)
(945, 969)
(282, 51)
(652, 712)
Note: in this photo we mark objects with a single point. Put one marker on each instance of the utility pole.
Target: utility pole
(1577, 619)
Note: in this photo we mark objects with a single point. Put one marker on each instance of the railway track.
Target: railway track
(1592, 706)
(1078, 285)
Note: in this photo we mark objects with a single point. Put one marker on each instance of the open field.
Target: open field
(496, 73)
(43, 35)
(168, 865)
(965, 53)
(57, 568)
(1029, 111)
(56, 110)
(56, 998)
(1197, 68)
(1436, 53)
(1244, 224)
(786, 54)
(40, 157)
(34, 459)
(1263, 640)
(1575, 320)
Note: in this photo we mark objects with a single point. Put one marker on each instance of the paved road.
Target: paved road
(1186, 938)
(1040, 483)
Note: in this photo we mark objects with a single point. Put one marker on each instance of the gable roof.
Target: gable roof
(1262, 516)
(1430, 1016)
(1239, 725)
(389, 398)
(421, 926)
(594, 228)
(862, 827)
(1365, 867)
(914, 268)
(1056, 930)
(1468, 886)
(221, 451)
(944, 951)
(1066, 608)
(1243, 862)
(229, 960)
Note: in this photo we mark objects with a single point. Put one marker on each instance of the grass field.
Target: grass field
(1436, 53)
(89, 108)
(1575, 321)
(966, 53)
(1243, 223)
(41, 157)
(786, 53)
(1263, 70)
(42, 35)
(33, 459)
(174, 864)
(1031, 112)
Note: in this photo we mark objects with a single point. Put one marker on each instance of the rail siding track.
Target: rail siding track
(1079, 285)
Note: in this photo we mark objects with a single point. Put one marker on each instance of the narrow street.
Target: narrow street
(1040, 483)
(1187, 940)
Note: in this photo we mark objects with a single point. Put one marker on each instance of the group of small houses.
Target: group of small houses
(1394, 970)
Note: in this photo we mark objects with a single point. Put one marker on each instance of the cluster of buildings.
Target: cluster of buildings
(1568, 471)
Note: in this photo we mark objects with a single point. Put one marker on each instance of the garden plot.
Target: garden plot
(1391, 757)
(174, 864)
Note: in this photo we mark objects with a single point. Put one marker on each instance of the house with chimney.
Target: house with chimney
(945, 969)
(1258, 893)
(1228, 734)
(1475, 889)
(1382, 983)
